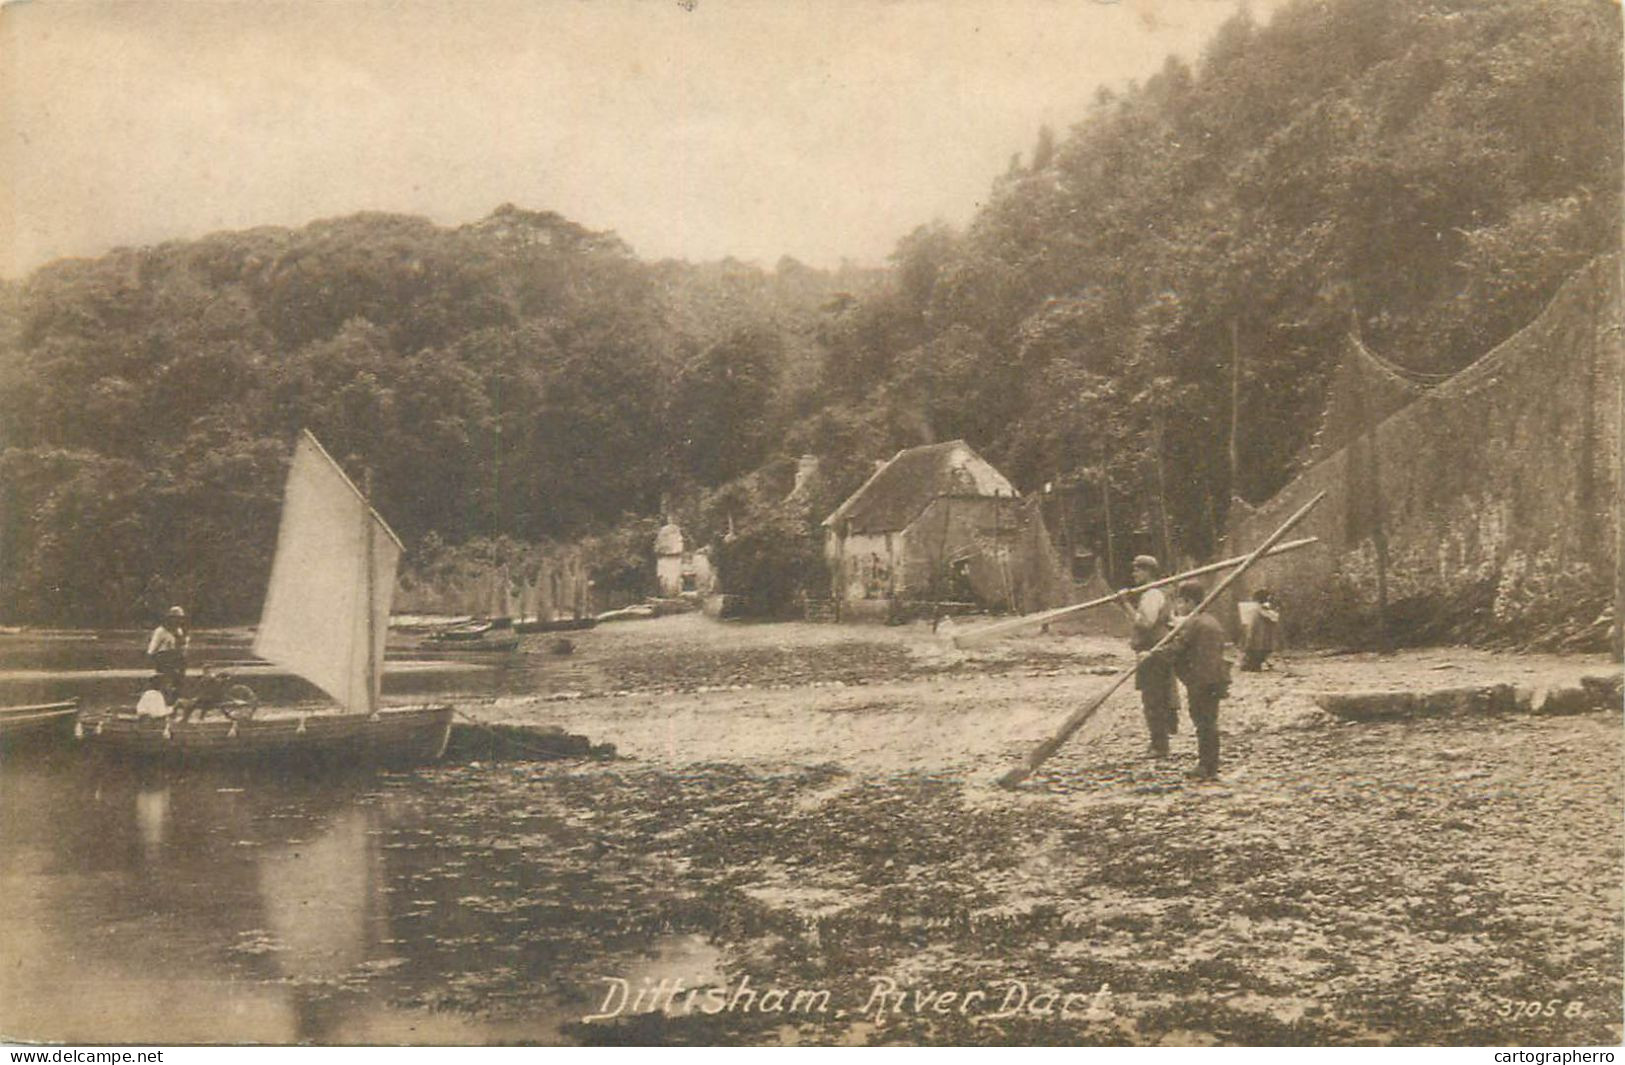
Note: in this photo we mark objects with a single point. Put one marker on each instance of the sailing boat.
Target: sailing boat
(325, 619)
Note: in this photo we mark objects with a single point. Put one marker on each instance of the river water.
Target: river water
(451, 904)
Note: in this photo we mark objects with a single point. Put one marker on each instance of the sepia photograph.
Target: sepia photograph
(812, 523)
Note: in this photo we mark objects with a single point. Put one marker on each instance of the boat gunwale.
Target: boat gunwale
(418, 733)
(36, 719)
(32, 710)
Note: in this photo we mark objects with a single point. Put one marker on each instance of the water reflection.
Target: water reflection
(452, 905)
(455, 905)
(317, 897)
(193, 908)
(152, 818)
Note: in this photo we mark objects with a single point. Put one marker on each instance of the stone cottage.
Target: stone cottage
(679, 570)
(937, 523)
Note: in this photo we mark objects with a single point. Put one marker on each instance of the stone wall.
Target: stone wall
(861, 565)
(1486, 509)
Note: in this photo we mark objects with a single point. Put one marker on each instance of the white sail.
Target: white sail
(316, 619)
(506, 600)
(527, 598)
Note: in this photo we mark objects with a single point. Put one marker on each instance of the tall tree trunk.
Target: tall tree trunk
(1162, 494)
(1106, 504)
(1235, 409)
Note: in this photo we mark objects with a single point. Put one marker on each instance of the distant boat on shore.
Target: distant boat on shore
(555, 625)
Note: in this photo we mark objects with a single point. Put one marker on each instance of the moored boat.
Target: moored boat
(325, 619)
(392, 736)
(485, 644)
(555, 625)
(37, 723)
(473, 630)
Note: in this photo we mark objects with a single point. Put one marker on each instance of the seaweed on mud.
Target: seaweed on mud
(1355, 884)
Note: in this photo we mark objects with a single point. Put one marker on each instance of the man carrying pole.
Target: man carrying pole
(1196, 654)
(1076, 719)
(1152, 616)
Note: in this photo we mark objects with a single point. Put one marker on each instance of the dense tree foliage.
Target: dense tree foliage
(774, 560)
(519, 377)
(1423, 172)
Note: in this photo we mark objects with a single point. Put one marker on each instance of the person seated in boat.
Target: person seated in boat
(216, 690)
(152, 705)
(167, 651)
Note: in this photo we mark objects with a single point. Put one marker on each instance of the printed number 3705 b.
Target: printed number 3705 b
(1556, 1007)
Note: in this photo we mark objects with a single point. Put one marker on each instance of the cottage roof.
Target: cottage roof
(899, 490)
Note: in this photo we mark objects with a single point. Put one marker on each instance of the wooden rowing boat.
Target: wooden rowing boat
(392, 736)
(556, 625)
(473, 630)
(38, 723)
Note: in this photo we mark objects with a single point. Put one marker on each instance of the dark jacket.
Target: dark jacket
(1197, 652)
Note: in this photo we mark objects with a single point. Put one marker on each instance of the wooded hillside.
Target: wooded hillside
(519, 377)
(1423, 172)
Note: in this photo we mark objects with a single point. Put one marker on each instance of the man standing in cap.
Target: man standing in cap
(1152, 617)
(167, 650)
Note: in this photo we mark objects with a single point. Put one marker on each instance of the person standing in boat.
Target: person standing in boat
(167, 652)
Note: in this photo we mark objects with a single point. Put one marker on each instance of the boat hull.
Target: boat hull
(561, 625)
(398, 736)
(39, 723)
(480, 645)
(462, 633)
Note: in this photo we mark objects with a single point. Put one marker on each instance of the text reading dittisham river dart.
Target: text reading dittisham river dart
(884, 998)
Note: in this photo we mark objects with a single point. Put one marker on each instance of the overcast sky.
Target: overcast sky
(820, 129)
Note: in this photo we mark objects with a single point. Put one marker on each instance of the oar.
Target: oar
(1042, 752)
(998, 628)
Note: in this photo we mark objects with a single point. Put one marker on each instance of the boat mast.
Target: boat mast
(372, 641)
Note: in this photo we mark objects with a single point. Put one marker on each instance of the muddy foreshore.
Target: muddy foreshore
(801, 842)
(815, 805)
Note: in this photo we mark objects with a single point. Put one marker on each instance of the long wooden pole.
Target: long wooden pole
(1042, 752)
(999, 628)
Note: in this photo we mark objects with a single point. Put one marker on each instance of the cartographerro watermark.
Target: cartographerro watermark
(885, 998)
